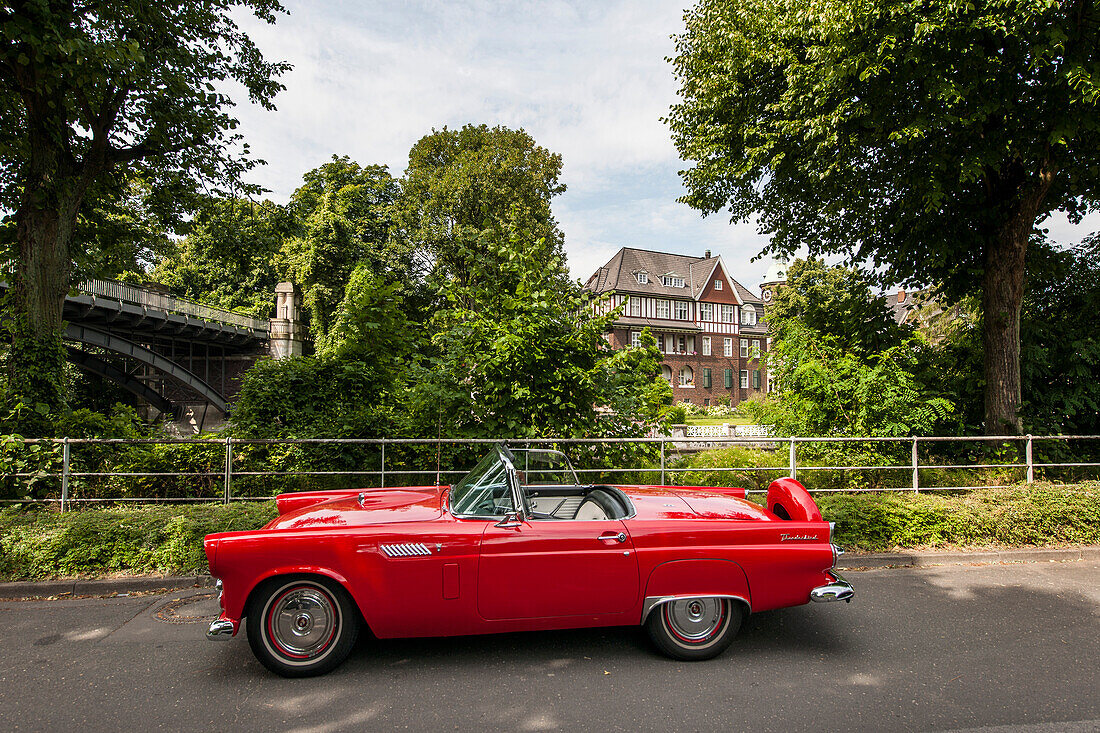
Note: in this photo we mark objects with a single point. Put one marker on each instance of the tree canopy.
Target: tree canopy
(87, 88)
(344, 213)
(924, 140)
(466, 190)
(228, 258)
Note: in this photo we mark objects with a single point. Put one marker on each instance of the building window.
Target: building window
(744, 379)
(728, 375)
(706, 383)
(748, 315)
(706, 401)
(727, 347)
(671, 281)
(706, 311)
(756, 379)
(687, 376)
(670, 344)
(727, 314)
(680, 347)
(717, 284)
(635, 306)
(643, 277)
(756, 348)
(662, 309)
(681, 310)
(744, 348)
(666, 372)
(635, 339)
(706, 346)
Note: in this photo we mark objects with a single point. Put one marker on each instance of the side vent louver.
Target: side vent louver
(409, 549)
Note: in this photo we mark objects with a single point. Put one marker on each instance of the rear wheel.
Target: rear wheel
(301, 626)
(694, 629)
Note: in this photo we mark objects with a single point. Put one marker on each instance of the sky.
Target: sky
(587, 79)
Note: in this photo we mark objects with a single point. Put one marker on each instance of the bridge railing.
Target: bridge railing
(73, 471)
(137, 295)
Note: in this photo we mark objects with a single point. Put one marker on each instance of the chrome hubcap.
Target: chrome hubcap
(302, 621)
(695, 619)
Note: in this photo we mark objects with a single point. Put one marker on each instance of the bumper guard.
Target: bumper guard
(839, 590)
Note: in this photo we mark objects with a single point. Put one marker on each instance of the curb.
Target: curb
(74, 588)
(932, 558)
(103, 587)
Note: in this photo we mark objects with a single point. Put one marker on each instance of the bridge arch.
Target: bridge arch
(111, 342)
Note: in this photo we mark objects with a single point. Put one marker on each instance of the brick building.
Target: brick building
(709, 327)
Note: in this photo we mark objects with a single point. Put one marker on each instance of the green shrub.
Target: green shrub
(41, 544)
(1041, 514)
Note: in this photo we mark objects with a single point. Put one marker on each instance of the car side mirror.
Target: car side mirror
(512, 520)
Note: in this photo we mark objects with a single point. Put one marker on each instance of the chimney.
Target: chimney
(706, 255)
(901, 295)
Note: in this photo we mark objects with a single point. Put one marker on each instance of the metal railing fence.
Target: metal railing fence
(660, 457)
(137, 295)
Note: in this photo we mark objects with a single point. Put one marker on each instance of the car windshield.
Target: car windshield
(484, 491)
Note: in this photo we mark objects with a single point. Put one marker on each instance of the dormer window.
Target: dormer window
(748, 316)
(643, 277)
(672, 281)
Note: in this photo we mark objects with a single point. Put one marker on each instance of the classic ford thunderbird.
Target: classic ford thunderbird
(518, 544)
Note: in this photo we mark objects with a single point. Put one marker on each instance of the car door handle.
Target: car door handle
(616, 536)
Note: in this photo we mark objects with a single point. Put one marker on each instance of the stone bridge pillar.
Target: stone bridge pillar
(286, 327)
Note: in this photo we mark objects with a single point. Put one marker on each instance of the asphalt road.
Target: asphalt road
(997, 647)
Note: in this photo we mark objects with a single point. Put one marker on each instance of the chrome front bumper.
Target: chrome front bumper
(839, 590)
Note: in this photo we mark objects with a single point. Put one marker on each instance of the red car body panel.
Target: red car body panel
(472, 576)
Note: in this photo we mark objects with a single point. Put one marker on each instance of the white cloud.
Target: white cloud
(586, 79)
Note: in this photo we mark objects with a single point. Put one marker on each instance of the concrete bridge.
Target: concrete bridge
(181, 358)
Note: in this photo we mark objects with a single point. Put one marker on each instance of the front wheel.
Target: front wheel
(693, 629)
(301, 627)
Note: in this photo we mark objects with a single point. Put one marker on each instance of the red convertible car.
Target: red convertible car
(519, 544)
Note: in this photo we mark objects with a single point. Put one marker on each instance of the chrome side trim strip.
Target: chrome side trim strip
(652, 602)
(408, 549)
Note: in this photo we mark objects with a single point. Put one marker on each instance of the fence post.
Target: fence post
(383, 463)
(794, 459)
(1030, 461)
(228, 467)
(663, 462)
(916, 471)
(65, 473)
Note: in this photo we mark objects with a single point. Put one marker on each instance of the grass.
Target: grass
(37, 544)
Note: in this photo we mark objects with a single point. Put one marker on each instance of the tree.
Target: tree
(1060, 358)
(837, 301)
(1061, 354)
(517, 356)
(345, 215)
(926, 139)
(466, 191)
(823, 387)
(93, 89)
(227, 259)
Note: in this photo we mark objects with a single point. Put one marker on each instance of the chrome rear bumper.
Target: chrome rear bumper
(220, 629)
(839, 590)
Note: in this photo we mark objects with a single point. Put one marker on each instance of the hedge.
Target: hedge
(39, 544)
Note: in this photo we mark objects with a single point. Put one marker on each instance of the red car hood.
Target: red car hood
(686, 502)
(369, 506)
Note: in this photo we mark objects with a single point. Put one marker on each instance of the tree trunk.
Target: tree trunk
(44, 228)
(1002, 297)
